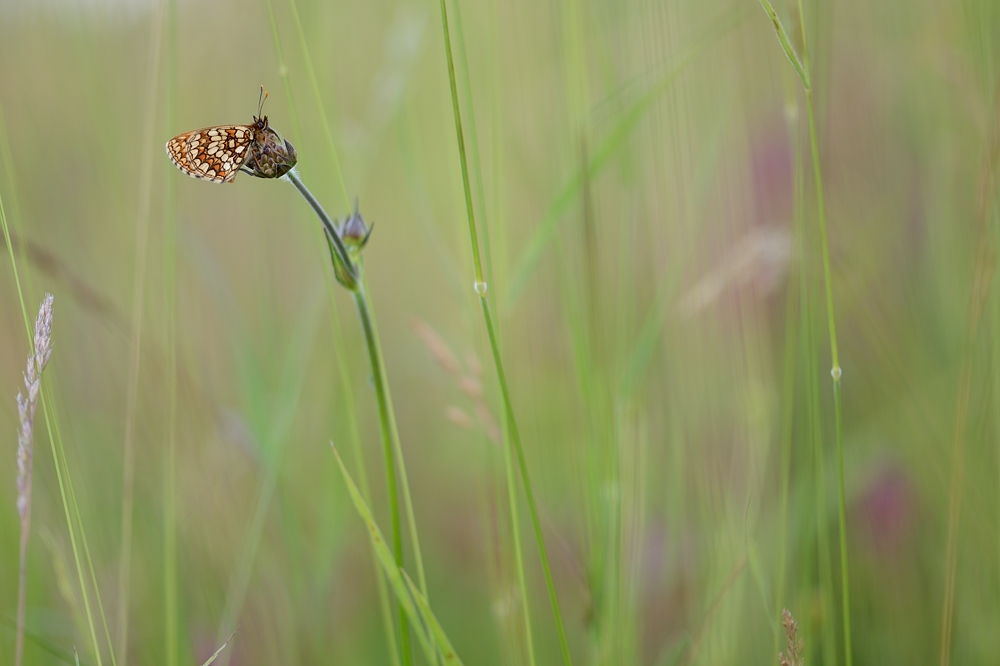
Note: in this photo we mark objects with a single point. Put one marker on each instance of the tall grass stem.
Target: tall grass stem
(480, 288)
(802, 69)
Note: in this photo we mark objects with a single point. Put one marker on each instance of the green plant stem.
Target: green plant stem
(390, 418)
(60, 463)
(802, 69)
(511, 479)
(515, 438)
(348, 401)
(835, 372)
(480, 287)
(792, 333)
(391, 448)
(331, 230)
(460, 135)
(374, 355)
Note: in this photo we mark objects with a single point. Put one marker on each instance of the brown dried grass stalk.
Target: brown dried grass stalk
(26, 411)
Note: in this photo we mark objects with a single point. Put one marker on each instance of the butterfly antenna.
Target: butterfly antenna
(260, 102)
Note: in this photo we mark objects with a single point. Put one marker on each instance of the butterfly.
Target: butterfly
(219, 153)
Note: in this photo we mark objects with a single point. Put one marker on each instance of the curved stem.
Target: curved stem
(342, 258)
(331, 230)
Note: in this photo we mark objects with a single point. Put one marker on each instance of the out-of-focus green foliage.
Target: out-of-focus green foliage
(643, 175)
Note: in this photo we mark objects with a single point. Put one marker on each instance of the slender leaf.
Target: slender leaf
(410, 598)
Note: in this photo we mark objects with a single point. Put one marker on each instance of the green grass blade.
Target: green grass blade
(408, 599)
(786, 44)
(437, 632)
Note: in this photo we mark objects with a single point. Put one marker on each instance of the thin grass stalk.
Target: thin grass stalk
(394, 434)
(86, 547)
(522, 464)
(10, 249)
(835, 371)
(480, 288)
(957, 478)
(355, 436)
(26, 406)
(788, 380)
(15, 206)
(460, 135)
(170, 603)
(474, 141)
(48, 412)
(55, 445)
(982, 279)
(511, 481)
(25, 455)
(375, 357)
(49, 421)
(802, 69)
(135, 343)
(814, 431)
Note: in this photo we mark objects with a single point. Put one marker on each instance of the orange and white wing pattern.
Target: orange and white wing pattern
(213, 153)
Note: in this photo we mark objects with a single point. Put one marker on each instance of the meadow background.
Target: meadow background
(642, 175)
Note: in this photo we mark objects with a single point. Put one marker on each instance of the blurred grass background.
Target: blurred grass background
(642, 171)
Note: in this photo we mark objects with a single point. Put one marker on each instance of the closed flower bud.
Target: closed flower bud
(353, 231)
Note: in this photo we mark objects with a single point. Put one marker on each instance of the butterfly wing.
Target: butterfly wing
(212, 153)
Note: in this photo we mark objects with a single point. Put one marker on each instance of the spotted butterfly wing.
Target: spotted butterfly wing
(212, 153)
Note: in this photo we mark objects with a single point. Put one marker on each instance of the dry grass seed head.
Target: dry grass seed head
(794, 656)
(26, 406)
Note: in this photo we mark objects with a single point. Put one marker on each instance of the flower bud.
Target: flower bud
(353, 231)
